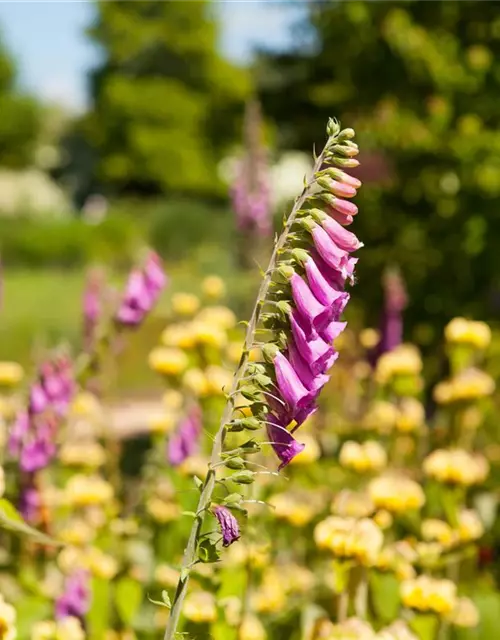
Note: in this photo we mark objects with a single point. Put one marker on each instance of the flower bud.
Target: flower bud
(347, 134)
(333, 127)
(243, 477)
(235, 463)
(344, 163)
(269, 352)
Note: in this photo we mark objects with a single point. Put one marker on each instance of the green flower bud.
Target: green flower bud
(333, 127)
(286, 272)
(269, 352)
(235, 463)
(345, 150)
(346, 134)
(243, 477)
(345, 163)
(301, 255)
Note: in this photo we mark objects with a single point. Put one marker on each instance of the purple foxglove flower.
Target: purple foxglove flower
(75, 601)
(315, 351)
(342, 189)
(92, 307)
(30, 504)
(18, 432)
(284, 444)
(156, 278)
(333, 330)
(346, 178)
(313, 383)
(334, 257)
(344, 239)
(345, 207)
(185, 442)
(324, 291)
(291, 388)
(314, 313)
(39, 400)
(228, 525)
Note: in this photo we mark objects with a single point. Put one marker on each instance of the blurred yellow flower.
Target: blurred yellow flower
(349, 538)
(381, 417)
(470, 384)
(86, 405)
(77, 532)
(219, 379)
(195, 381)
(310, 453)
(209, 334)
(83, 491)
(456, 466)
(352, 504)
(296, 510)
(234, 351)
(465, 614)
(8, 629)
(468, 332)
(166, 576)
(383, 519)
(218, 316)
(270, 597)
(101, 564)
(252, 629)
(428, 594)
(173, 399)
(194, 466)
(199, 607)
(180, 336)
(296, 578)
(168, 361)
(411, 415)
(11, 373)
(68, 628)
(434, 530)
(213, 287)
(403, 360)
(82, 454)
(470, 527)
(396, 493)
(350, 629)
(185, 304)
(369, 338)
(257, 555)
(162, 422)
(162, 511)
(363, 457)
(398, 630)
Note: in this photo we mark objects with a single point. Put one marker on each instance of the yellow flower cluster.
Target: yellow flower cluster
(465, 613)
(82, 454)
(11, 374)
(99, 563)
(84, 491)
(352, 504)
(406, 417)
(298, 510)
(456, 466)
(357, 629)
(404, 360)
(396, 493)
(363, 457)
(200, 607)
(8, 629)
(162, 510)
(68, 628)
(467, 332)
(398, 557)
(350, 538)
(252, 629)
(428, 594)
(467, 386)
(270, 597)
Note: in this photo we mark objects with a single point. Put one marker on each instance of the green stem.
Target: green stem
(209, 484)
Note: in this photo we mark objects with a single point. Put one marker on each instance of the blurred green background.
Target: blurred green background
(145, 160)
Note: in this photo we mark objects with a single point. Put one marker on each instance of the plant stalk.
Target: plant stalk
(209, 484)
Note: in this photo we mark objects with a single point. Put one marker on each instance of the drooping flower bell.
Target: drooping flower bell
(306, 298)
(142, 292)
(228, 525)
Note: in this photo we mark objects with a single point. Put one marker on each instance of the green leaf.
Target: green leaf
(11, 520)
(384, 592)
(191, 514)
(128, 598)
(207, 551)
(166, 599)
(198, 482)
(425, 626)
(100, 610)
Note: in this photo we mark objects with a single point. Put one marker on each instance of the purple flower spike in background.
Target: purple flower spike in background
(185, 441)
(75, 601)
(228, 525)
(391, 323)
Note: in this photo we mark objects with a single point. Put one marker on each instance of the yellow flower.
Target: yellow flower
(185, 304)
(168, 361)
(468, 332)
(297, 579)
(11, 373)
(434, 530)
(271, 596)
(209, 335)
(470, 526)
(470, 384)
(213, 287)
(397, 557)
(350, 629)
(369, 338)
(352, 504)
(383, 519)
(194, 466)
(363, 457)
(173, 400)
(465, 613)
(411, 415)
(252, 629)
(219, 379)
(348, 538)
(403, 360)
(82, 454)
(293, 509)
(381, 417)
(44, 630)
(83, 491)
(429, 594)
(161, 422)
(8, 630)
(456, 466)
(195, 381)
(310, 453)
(77, 532)
(178, 335)
(199, 607)
(162, 511)
(217, 316)
(86, 405)
(398, 630)
(396, 494)
(166, 576)
(234, 351)
(69, 628)
(255, 555)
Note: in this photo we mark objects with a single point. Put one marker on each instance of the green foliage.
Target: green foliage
(166, 103)
(128, 598)
(419, 81)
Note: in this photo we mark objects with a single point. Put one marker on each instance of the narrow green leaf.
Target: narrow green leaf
(128, 598)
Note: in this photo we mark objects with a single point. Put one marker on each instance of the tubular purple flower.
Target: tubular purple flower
(345, 207)
(284, 444)
(313, 382)
(315, 351)
(344, 239)
(75, 601)
(291, 388)
(30, 503)
(334, 257)
(315, 314)
(325, 292)
(228, 525)
(333, 330)
(185, 442)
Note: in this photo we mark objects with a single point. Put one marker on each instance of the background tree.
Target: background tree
(166, 104)
(19, 121)
(418, 80)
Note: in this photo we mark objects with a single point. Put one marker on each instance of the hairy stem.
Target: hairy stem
(209, 484)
